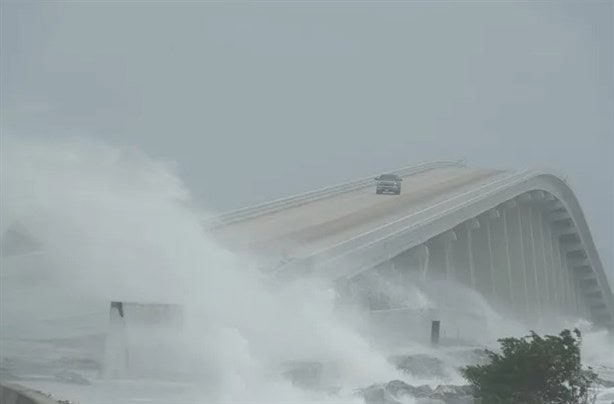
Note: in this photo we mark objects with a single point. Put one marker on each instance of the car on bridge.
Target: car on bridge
(388, 183)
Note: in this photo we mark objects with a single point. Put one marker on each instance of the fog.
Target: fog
(144, 244)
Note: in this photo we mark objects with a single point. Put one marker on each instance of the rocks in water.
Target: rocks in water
(422, 366)
(315, 376)
(393, 391)
(304, 374)
(378, 394)
(400, 388)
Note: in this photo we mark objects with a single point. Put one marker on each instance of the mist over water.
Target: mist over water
(118, 226)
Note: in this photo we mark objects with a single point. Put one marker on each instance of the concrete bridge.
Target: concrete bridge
(520, 239)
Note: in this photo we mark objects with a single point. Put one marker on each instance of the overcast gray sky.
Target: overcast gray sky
(278, 98)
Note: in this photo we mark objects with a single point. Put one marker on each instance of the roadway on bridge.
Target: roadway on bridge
(302, 230)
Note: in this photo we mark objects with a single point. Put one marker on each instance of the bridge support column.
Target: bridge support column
(483, 257)
(560, 267)
(471, 225)
(568, 245)
(463, 253)
(569, 286)
(423, 254)
(574, 288)
(449, 238)
(544, 261)
(406, 262)
(577, 291)
(533, 285)
(571, 246)
(543, 267)
(518, 260)
(501, 258)
(440, 266)
(555, 283)
(490, 216)
(552, 274)
(580, 303)
(389, 270)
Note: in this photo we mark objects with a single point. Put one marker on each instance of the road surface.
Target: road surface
(302, 230)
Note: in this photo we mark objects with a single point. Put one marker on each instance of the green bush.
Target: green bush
(534, 370)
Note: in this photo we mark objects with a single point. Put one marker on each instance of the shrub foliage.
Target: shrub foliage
(533, 370)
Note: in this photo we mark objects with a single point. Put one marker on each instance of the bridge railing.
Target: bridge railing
(307, 197)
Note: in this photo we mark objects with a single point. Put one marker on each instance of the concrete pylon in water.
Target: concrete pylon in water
(145, 340)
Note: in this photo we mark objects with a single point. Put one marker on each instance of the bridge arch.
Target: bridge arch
(523, 200)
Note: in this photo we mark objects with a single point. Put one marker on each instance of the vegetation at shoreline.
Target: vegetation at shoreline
(534, 370)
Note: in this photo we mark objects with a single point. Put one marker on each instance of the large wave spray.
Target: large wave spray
(116, 225)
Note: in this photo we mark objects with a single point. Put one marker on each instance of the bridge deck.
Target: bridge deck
(304, 229)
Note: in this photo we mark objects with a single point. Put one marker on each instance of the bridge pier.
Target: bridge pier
(568, 287)
(423, 254)
(582, 273)
(574, 251)
(517, 258)
(483, 258)
(460, 257)
(563, 285)
(560, 266)
(490, 216)
(532, 271)
(569, 249)
(406, 262)
(438, 265)
(555, 282)
(543, 260)
(572, 287)
(448, 239)
(441, 259)
(462, 250)
(501, 258)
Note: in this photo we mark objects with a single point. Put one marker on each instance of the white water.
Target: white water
(116, 225)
